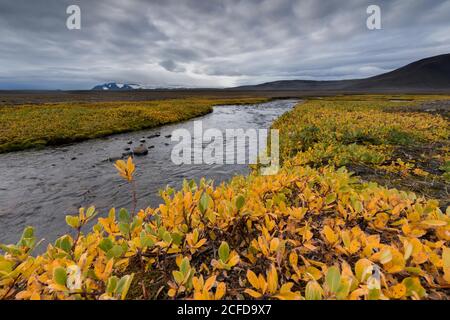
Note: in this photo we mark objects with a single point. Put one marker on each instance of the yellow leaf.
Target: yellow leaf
(434, 223)
(398, 291)
(354, 246)
(35, 296)
(220, 290)
(313, 273)
(253, 293)
(355, 295)
(253, 279)
(209, 283)
(272, 280)
(274, 243)
(234, 259)
(262, 283)
(293, 259)
(363, 269)
(330, 236)
(263, 246)
(446, 263)
(385, 256)
(408, 249)
(200, 243)
(171, 293)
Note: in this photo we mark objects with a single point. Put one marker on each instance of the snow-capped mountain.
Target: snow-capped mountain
(113, 86)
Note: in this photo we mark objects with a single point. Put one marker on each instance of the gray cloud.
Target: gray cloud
(212, 43)
(172, 66)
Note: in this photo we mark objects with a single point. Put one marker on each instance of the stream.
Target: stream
(40, 187)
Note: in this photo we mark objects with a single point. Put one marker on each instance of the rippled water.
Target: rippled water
(40, 187)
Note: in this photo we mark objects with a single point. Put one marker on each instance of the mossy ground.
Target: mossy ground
(39, 125)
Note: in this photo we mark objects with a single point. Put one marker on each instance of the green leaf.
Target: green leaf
(413, 285)
(333, 279)
(11, 249)
(73, 221)
(124, 216)
(97, 228)
(28, 233)
(124, 285)
(124, 228)
(224, 251)
(111, 285)
(178, 276)
(146, 241)
(176, 238)
(330, 198)
(116, 251)
(185, 266)
(167, 237)
(90, 212)
(106, 244)
(60, 276)
(240, 201)
(6, 266)
(65, 243)
(344, 289)
(204, 202)
(136, 223)
(27, 239)
(313, 291)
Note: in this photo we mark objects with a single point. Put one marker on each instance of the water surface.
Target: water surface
(39, 187)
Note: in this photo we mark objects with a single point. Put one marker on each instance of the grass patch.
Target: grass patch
(402, 145)
(34, 126)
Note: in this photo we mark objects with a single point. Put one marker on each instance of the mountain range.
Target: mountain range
(426, 74)
(113, 86)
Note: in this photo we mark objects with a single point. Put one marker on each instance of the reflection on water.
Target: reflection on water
(40, 187)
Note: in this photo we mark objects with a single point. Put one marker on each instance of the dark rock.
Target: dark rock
(127, 149)
(151, 147)
(156, 135)
(74, 158)
(168, 136)
(140, 151)
(167, 144)
(142, 141)
(114, 159)
(130, 142)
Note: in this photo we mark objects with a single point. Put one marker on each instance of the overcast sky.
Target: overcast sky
(212, 43)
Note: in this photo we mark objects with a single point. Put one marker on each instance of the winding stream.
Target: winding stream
(39, 187)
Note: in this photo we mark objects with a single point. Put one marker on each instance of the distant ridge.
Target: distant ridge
(427, 74)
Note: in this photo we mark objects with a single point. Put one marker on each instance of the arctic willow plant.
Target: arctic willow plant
(301, 234)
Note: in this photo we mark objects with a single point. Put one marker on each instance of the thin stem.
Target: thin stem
(134, 197)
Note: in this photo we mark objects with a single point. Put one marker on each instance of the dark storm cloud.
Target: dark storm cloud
(211, 42)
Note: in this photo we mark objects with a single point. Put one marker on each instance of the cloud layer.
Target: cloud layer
(211, 43)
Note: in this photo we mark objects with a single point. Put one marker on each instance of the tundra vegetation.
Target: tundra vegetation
(312, 231)
(38, 125)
